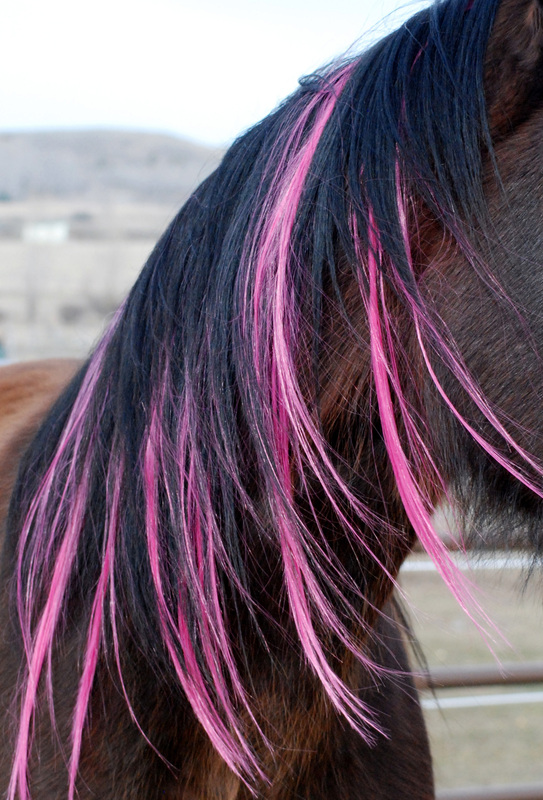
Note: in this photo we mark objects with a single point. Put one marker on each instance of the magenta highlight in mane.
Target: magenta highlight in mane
(418, 506)
(290, 421)
(230, 742)
(39, 644)
(105, 582)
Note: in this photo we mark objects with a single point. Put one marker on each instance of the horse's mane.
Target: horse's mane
(217, 440)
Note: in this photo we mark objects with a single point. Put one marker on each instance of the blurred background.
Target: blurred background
(111, 114)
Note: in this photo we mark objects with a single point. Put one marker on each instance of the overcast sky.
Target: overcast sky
(205, 70)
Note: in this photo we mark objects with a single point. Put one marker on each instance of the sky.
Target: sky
(205, 70)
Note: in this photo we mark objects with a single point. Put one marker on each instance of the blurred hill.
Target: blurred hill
(80, 211)
(102, 166)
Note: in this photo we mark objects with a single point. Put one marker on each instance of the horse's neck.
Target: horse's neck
(27, 392)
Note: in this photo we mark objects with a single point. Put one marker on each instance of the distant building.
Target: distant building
(46, 232)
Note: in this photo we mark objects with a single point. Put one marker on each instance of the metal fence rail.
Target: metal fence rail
(527, 792)
(510, 674)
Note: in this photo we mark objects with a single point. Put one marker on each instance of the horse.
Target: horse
(27, 391)
(338, 333)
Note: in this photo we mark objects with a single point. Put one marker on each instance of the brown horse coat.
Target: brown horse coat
(27, 392)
